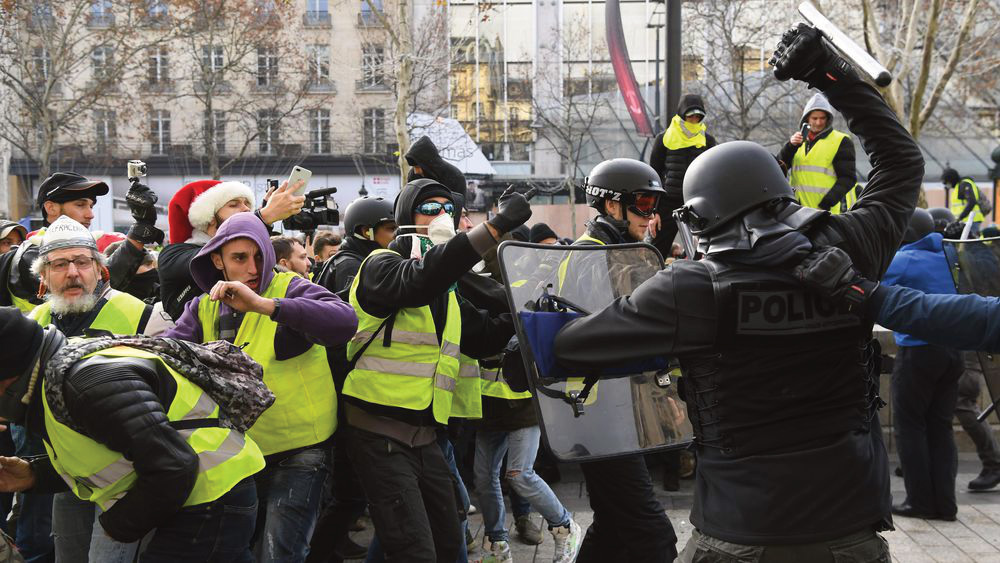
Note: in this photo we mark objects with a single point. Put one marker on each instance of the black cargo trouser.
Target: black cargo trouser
(629, 523)
(924, 392)
(859, 547)
(411, 497)
(967, 412)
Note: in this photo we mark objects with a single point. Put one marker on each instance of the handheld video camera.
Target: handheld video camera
(136, 169)
(319, 209)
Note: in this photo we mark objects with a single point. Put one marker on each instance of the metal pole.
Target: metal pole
(673, 56)
(656, 100)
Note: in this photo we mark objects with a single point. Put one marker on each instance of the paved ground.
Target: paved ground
(974, 537)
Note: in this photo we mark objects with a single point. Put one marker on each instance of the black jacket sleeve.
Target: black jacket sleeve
(483, 334)
(120, 405)
(177, 287)
(390, 282)
(845, 167)
(871, 232)
(657, 154)
(123, 264)
(670, 314)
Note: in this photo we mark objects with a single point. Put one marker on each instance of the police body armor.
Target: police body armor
(791, 384)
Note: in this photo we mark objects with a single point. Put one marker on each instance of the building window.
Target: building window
(101, 59)
(158, 66)
(369, 16)
(317, 10)
(267, 131)
(372, 58)
(106, 132)
(100, 14)
(43, 63)
(159, 131)
(212, 58)
(267, 66)
(373, 132)
(319, 63)
(319, 130)
(214, 130)
(156, 9)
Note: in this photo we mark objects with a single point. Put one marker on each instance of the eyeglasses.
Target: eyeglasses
(80, 262)
(644, 204)
(433, 208)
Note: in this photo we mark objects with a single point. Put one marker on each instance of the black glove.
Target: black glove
(829, 271)
(142, 203)
(145, 233)
(804, 55)
(514, 210)
(954, 230)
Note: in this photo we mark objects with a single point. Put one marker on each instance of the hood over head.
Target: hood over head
(818, 102)
(241, 225)
(691, 103)
(414, 193)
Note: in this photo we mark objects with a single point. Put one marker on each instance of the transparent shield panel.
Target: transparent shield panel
(975, 266)
(631, 409)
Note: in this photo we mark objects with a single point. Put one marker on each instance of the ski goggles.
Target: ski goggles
(433, 208)
(644, 203)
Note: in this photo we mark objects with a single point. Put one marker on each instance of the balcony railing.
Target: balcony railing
(370, 85)
(100, 21)
(316, 19)
(368, 18)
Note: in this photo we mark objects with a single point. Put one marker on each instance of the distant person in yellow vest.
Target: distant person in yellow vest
(673, 151)
(821, 164)
(79, 302)
(964, 198)
(284, 321)
(127, 431)
(415, 333)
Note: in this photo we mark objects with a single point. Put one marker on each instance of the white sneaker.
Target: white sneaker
(567, 539)
(496, 552)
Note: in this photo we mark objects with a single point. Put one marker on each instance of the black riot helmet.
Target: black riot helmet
(921, 224)
(367, 212)
(942, 217)
(625, 180)
(727, 181)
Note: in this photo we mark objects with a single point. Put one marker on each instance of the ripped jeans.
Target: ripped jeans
(521, 447)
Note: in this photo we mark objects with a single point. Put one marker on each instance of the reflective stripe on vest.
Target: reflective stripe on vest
(468, 400)
(98, 474)
(957, 206)
(120, 314)
(414, 371)
(565, 263)
(494, 385)
(812, 174)
(305, 406)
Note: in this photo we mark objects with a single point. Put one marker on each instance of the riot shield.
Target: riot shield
(598, 414)
(975, 267)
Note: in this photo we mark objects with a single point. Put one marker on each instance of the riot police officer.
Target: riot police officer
(629, 522)
(781, 387)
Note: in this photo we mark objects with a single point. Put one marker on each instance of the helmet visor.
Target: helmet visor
(644, 203)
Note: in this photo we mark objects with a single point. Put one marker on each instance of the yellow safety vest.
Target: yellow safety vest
(468, 400)
(812, 173)
(957, 206)
(494, 385)
(414, 371)
(565, 263)
(305, 407)
(680, 135)
(121, 314)
(23, 305)
(101, 475)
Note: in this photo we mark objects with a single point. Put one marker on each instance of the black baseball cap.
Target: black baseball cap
(68, 186)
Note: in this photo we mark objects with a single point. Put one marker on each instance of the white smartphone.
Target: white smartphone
(299, 173)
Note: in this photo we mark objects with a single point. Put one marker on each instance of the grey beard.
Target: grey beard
(62, 306)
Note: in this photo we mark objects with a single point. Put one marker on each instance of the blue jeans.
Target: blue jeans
(291, 495)
(217, 531)
(34, 522)
(521, 447)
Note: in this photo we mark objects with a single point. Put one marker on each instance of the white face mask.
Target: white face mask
(441, 229)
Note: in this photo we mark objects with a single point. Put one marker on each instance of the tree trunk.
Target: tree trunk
(404, 79)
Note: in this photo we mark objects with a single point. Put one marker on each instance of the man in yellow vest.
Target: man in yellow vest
(964, 198)
(283, 321)
(821, 163)
(185, 479)
(407, 356)
(79, 302)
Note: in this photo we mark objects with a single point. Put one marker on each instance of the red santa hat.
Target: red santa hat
(194, 206)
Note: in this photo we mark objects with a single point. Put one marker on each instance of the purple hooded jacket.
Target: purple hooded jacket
(309, 314)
